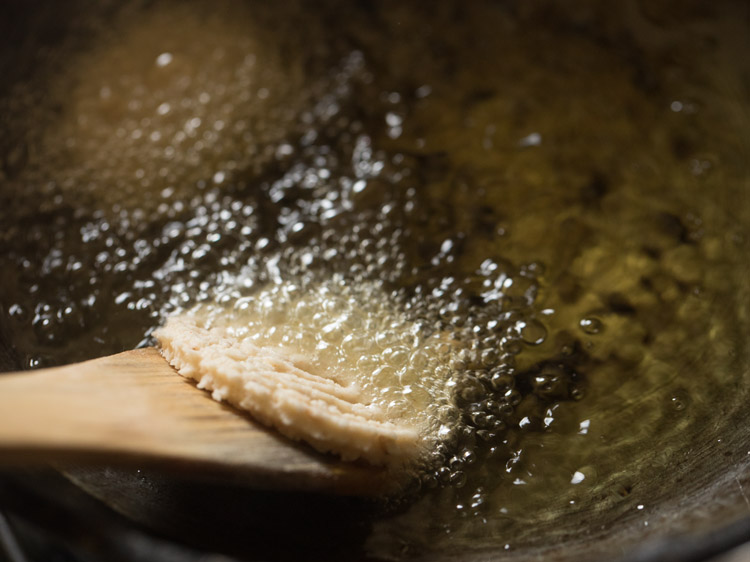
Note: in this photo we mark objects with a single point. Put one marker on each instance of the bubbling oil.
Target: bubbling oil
(566, 212)
(357, 336)
(218, 179)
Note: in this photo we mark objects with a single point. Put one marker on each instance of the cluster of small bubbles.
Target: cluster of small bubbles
(358, 334)
(552, 381)
(53, 324)
(487, 387)
(101, 252)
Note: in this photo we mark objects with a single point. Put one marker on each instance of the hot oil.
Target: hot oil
(564, 195)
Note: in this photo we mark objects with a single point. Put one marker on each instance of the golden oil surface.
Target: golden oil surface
(564, 193)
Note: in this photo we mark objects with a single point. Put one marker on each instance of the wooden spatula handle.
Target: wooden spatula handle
(88, 407)
(133, 407)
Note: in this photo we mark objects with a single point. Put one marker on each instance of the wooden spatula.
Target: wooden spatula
(133, 408)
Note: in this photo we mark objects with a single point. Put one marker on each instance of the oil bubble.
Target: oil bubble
(591, 325)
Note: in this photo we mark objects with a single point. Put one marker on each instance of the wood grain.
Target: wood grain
(133, 408)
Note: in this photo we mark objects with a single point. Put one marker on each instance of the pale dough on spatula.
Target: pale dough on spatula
(272, 386)
(338, 367)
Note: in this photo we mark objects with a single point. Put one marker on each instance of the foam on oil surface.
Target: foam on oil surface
(145, 112)
(375, 384)
(357, 334)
